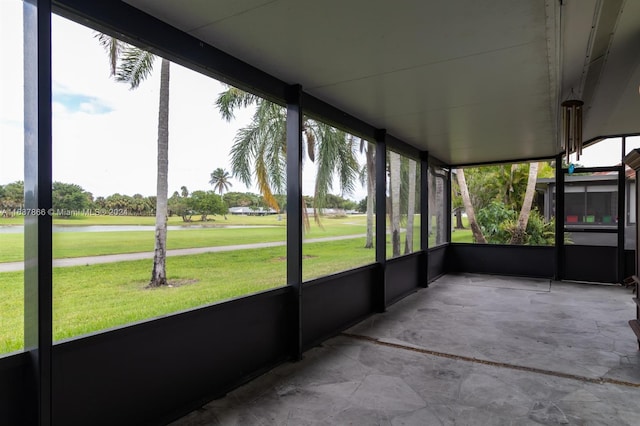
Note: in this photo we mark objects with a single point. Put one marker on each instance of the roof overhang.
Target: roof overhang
(467, 81)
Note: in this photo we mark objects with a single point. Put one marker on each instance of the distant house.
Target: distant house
(251, 211)
(591, 204)
(261, 211)
(326, 212)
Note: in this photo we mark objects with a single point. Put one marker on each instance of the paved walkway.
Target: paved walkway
(123, 257)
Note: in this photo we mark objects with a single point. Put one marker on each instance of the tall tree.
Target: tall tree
(411, 206)
(456, 204)
(431, 182)
(132, 65)
(220, 180)
(369, 174)
(66, 197)
(11, 198)
(207, 203)
(478, 237)
(394, 196)
(259, 150)
(519, 232)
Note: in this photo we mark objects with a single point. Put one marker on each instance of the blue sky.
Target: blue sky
(77, 102)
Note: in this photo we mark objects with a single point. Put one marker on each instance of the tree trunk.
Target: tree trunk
(394, 189)
(411, 208)
(478, 237)
(431, 181)
(459, 224)
(222, 198)
(440, 211)
(523, 219)
(159, 273)
(371, 194)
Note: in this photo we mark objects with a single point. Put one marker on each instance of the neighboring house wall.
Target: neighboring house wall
(592, 202)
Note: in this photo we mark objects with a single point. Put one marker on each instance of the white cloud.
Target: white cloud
(104, 134)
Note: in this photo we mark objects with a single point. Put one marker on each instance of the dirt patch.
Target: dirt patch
(175, 283)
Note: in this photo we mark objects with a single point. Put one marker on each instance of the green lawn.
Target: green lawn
(462, 236)
(97, 297)
(151, 220)
(457, 235)
(78, 244)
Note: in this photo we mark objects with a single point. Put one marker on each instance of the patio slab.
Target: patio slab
(470, 349)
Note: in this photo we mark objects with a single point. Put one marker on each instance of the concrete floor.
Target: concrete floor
(469, 350)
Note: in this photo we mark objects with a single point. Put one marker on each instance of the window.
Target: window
(11, 179)
(496, 196)
(403, 205)
(339, 206)
(438, 209)
(591, 204)
(226, 187)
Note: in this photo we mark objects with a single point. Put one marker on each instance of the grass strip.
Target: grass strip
(97, 297)
(78, 244)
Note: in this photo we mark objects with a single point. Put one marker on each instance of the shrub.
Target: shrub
(495, 220)
(498, 224)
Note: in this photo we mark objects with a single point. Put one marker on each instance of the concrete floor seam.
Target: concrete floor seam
(600, 380)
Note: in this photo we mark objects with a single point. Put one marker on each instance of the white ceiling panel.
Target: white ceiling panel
(191, 15)
(468, 81)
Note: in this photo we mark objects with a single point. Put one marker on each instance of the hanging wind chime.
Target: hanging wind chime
(572, 128)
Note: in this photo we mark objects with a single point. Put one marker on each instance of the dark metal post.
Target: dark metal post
(637, 236)
(294, 212)
(380, 296)
(559, 217)
(622, 217)
(37, 200)
(424, 218)
(447, 205)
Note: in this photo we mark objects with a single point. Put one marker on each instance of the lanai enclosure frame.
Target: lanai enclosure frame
(448, 84)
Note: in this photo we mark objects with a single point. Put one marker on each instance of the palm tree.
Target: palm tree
(411, 206)
(478, 236)
(431, 182)
(369, 173)
(220, 180)
(259, 150)
(132, 65)
(394, 196)
(523, 219)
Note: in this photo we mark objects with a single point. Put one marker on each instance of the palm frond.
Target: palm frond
(362, 175)
(114, 47)
(335, 156)
(135, 65)
(259, 151)
(233, 98)
(311, 143)
(242, 152)
(347, 165)
(262, 178)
